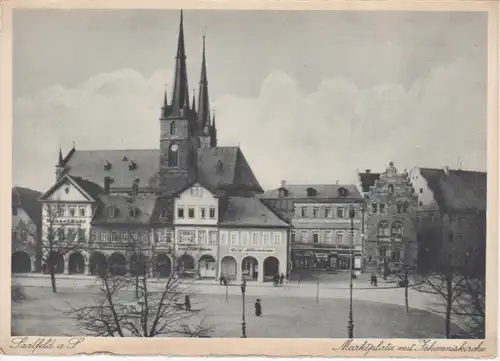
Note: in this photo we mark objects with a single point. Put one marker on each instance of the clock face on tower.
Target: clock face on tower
(175, 147)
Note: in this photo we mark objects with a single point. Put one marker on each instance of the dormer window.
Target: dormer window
(220, 166)
(132, 165)
(311, 192)
(112, 212)
(125, 159)
(283, 192)
(342, 192)
(107, 166)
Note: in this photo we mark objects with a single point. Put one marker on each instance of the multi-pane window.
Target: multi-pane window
(244, 238)
(339, 238)
(124, 236)
(212, 212)
(315, 212)
(186, 236)
(397, 229)
(104, 236)
(203, 213)
(72, 211)
(180, 212)
(255, 238)
(113, 236)
(266, 237)
(81, 211)
(196, 191)
(374, 207)
(134, 236)
(304, 236)
(191, 212)
(315, 237)
(328, 236)
(328, 212)
(340, 212)
(234, 238)
(213, 237)
(277, 238)
(303, 212)
(383, 229)
(202, 237)
(223, 237)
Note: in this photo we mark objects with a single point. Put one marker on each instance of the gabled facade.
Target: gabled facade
(390, 220)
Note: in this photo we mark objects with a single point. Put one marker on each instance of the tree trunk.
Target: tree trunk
(53, 278)
(406, 295)
(449, 304)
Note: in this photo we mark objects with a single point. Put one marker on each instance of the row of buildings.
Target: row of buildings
(197, 206)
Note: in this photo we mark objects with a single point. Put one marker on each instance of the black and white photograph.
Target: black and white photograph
(218, 173)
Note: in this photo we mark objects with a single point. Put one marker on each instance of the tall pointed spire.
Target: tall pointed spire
(180, 96)
(194, 102)
(164, 108)
(60, 160)
(203, 103)
(213, 132)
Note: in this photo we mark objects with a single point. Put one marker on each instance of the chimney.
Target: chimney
(107, 183)
(368, 170)
(283, 184)
(446, 170)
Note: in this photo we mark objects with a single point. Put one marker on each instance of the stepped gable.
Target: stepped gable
(248, 211)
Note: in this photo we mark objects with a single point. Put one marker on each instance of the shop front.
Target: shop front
(197, 261)
(328, 260)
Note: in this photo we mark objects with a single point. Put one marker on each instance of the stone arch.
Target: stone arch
(76, 263)
(163, 265)
(250, 268)
(117, 264)
(185, 262)
(271, 266)
(229, 267)
(138, 264)
(20, 262)
(206, 266)
(98, 264)
(56, 259)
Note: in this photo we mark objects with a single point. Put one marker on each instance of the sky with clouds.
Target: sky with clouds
(309, 96)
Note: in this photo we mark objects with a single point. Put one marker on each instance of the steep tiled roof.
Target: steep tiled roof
(245, 211)
(143, 205)
(220, 167)
(27, 199)
(368, 180)
(459, 190)
(91, 188)
(323, 191)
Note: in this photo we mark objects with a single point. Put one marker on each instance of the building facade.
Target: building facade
(323, 235)
(451, 217)
(390, 220)
(26, 230)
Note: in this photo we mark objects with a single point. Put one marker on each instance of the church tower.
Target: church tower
(178, 141)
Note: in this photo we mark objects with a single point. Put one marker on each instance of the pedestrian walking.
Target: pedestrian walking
(258, 308)
(376, 281)
(187, 303)
(282, 278)
(221, 280)
(372, 279)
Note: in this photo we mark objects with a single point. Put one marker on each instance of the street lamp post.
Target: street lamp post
(350, 322)
(243, 323)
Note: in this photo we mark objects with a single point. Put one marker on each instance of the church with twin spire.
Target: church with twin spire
(192, 202)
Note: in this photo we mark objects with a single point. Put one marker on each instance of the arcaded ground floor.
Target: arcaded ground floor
(284, 313)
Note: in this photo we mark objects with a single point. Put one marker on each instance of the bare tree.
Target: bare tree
(151, 313)
(57, 238)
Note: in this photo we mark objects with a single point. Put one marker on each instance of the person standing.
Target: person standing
(258, 308)
(187, 303)
(282, 278)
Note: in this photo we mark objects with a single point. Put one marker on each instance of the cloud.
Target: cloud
(285, 133)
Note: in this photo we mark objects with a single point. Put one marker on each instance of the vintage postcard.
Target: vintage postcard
(249, 178)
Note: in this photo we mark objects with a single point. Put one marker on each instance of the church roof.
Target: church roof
(218, 167)
(27, 199)
(246, 211)
(457, 190)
